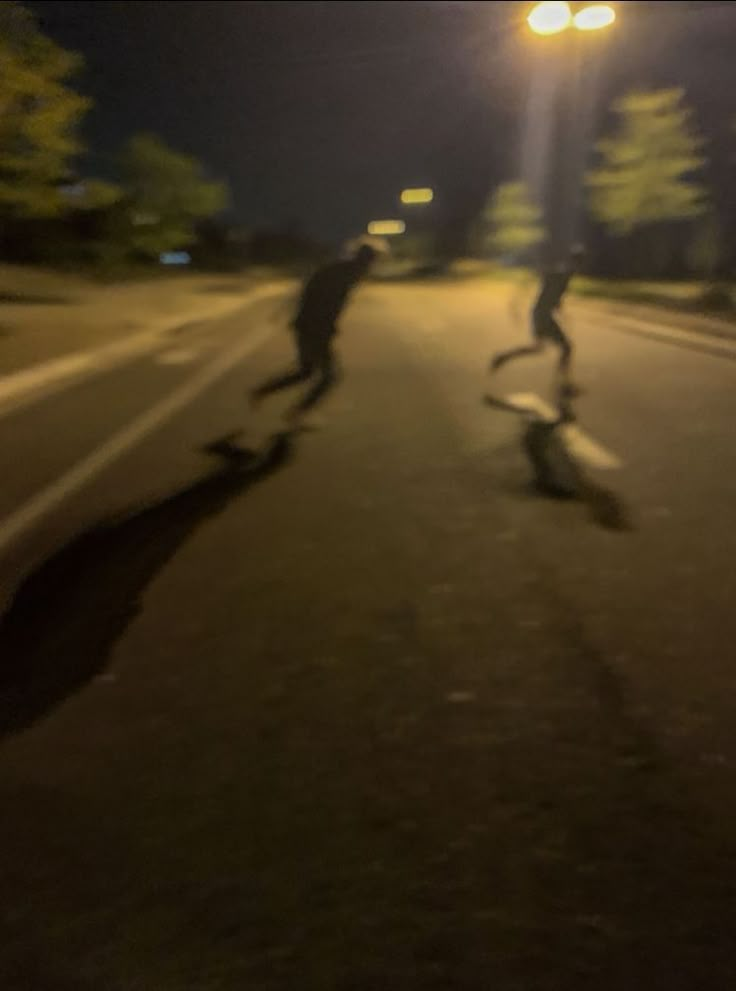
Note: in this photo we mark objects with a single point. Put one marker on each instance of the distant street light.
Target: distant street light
(554, 16)
(386, 228)
(412, 197)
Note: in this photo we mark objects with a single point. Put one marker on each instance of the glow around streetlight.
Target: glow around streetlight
(422, 194)
(550, 17)
(594, 17)
(553, 17)
(386, 228)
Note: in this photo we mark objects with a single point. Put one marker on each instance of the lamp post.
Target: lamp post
(564, 133)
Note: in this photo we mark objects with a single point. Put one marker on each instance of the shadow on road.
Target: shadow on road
(557, 473)
(68, 614)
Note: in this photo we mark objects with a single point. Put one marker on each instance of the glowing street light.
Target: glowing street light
(554, 16)
(412, 197)
(386, 228)
(594, 17)
(550, 17)
(562, 160)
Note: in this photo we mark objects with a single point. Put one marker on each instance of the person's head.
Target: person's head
(364, 258)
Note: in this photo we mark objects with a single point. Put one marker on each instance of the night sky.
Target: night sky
(319, 113)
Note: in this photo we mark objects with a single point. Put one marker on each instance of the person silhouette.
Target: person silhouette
(545, 327)
(321, 302)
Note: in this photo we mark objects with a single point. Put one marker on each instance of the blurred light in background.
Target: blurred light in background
(420, 195)
(594, 17)
(386, 228)
(175, 258)
(73, 190)
(550, 17)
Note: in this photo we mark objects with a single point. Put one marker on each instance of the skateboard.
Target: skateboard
(528, 405)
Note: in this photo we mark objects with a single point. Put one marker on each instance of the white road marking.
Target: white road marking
(177, 356)
(14, 525)
(711, 337)
(717, 345)
(30, 380)
(18, 389)
(585, 448)
(580, 444)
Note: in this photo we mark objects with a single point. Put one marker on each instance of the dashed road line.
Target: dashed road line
(715, 345)
(43, 502)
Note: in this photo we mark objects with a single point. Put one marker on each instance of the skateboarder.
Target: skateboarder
(545, 328)
(322, 300)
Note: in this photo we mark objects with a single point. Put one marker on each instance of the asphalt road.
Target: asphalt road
(363, 709)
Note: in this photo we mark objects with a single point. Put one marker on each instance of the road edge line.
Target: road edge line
(75, 478)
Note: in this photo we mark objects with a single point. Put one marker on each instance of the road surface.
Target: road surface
(363, 709)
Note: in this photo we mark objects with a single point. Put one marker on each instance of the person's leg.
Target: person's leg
(301, 373)
(525, 351)
(327, 377)
(503, 356)
(562, 342)
(565, 353)
(279, 382)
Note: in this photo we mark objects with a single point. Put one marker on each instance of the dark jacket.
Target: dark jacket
(325, 294)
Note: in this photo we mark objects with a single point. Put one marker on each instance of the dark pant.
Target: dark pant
(544, 328)
(315, 360)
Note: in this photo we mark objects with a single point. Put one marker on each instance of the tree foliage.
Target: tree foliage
(165, 193)
(39, 116)
(512, 220)
(705, 247)
(647, 166)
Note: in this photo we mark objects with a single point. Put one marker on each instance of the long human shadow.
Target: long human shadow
(556, 472)
(67, 615)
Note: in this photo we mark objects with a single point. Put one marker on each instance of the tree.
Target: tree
(39, 116)
(512, 221)
(647, 166)
(165, 193)
(704, 251)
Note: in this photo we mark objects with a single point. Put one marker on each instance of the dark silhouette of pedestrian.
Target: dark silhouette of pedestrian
(545, 327)
(322, 300)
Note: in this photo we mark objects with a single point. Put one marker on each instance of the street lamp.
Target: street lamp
(549, 17)
(386, 228)
(554, 16)
(416, 196)
(594, 17)
(561, 118)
